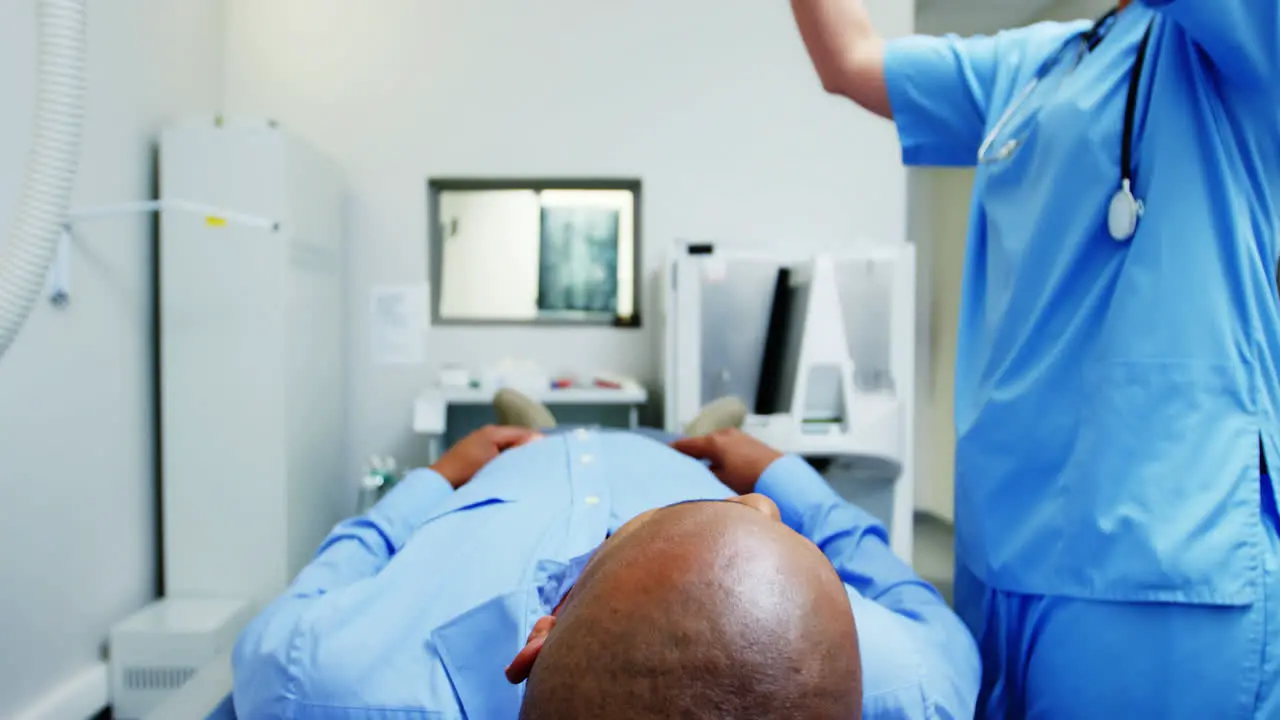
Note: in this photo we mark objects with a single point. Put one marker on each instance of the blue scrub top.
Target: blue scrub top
(1111, 397)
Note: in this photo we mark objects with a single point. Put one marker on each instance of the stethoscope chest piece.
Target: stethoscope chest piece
(1126, 209)
(1123, 214)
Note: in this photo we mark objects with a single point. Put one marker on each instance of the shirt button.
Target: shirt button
(592, 500)
(582, 433)
(586, 459)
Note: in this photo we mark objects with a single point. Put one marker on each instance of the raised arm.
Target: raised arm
(1241, 37)
(846, 50)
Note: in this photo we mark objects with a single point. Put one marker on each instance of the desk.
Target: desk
(430, 410)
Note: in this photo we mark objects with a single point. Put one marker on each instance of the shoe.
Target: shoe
(519, 410)
(727, 412)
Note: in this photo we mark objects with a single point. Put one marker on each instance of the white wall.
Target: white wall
(1067, 10)
(967, 17)
(712, 104)
(946, 223)
(77, 506)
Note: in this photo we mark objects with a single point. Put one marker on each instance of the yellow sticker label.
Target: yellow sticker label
(212, 221)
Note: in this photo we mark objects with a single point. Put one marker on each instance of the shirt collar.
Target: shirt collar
(476, 646)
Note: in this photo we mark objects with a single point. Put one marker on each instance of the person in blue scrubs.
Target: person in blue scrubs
(577, 561)
(1117, 384)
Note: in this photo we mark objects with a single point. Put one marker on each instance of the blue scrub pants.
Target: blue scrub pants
(1047, 657)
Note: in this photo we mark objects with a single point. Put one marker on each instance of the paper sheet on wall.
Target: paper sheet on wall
(399, 321)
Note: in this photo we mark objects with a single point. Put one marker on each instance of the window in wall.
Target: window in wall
(552, 252)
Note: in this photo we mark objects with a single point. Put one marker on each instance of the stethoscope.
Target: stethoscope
(1125, 209)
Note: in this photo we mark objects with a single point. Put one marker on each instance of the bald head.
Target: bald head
(702, 610)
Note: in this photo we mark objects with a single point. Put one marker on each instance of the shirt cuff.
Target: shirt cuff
(796, 488)
(401, 512)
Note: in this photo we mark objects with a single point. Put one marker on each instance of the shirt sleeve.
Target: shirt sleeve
(946, 92)
(1240, 36)
(267, 655)
(942, 652)
(362, 546)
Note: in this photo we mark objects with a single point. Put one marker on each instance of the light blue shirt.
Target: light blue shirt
(1111, 397)
(415, 609)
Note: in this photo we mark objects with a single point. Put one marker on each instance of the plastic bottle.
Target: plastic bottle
(379, 478)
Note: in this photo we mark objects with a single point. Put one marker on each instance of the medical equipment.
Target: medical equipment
(252, 393)
(566, 249)
(821, 349)
(1125, 208)
(379, 477)
(206, 696)
(158, 649)
(252, 360)
(51, 166)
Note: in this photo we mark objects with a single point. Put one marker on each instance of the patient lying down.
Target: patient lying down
(709, 606)
(601, 574)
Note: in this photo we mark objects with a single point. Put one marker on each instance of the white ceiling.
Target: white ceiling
(968, 17)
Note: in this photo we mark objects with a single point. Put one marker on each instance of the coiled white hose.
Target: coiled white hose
(51, 164)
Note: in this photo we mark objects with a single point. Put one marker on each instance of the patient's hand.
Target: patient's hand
(475, 451)
(736, 458)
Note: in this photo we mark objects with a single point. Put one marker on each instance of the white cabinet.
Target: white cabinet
(821, 349)
(252, 371)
